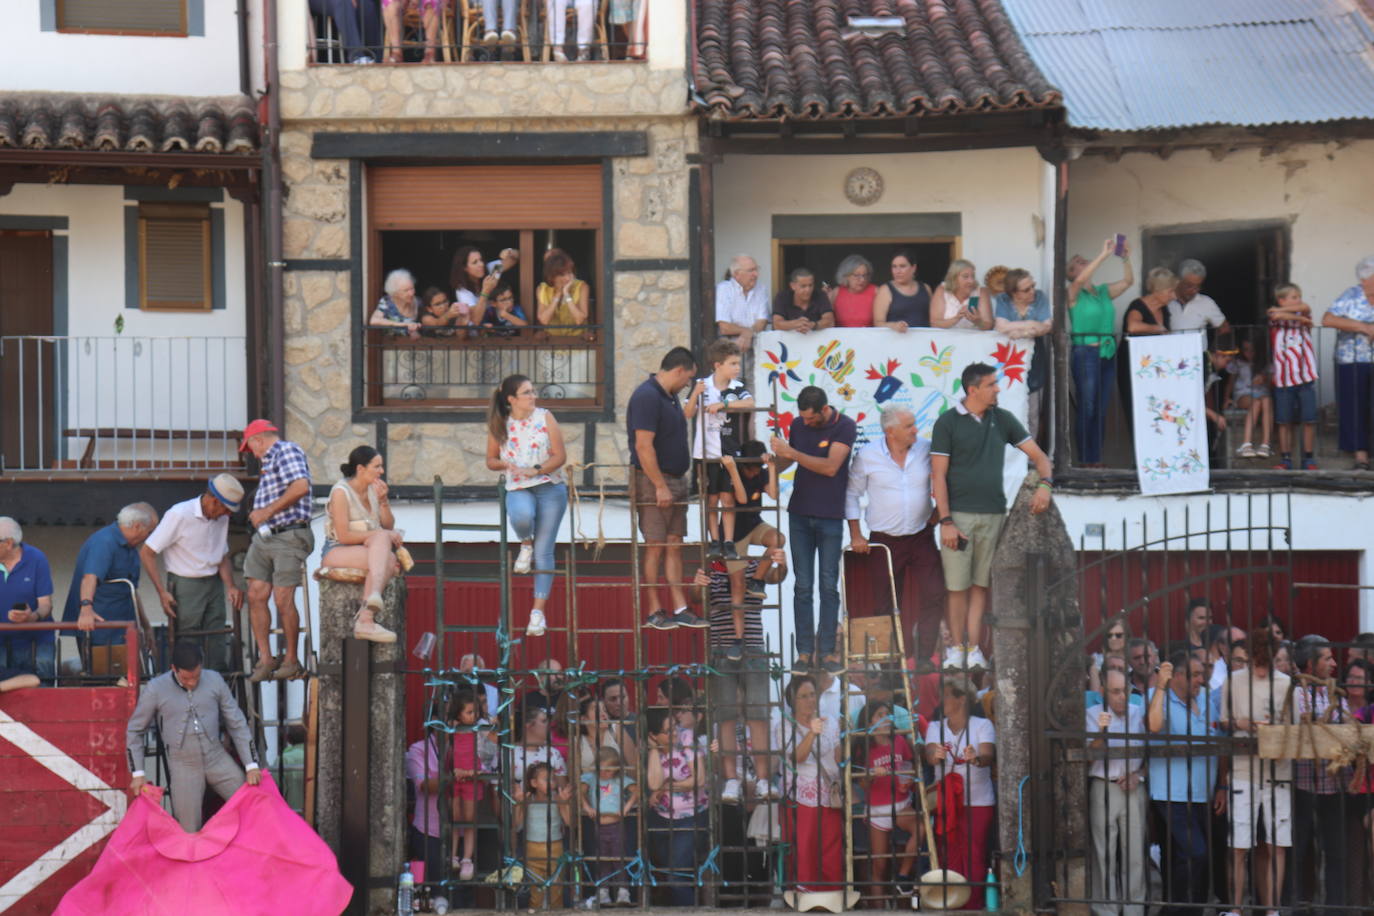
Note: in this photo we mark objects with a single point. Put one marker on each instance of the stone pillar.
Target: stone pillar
(382, 723)
(1036, 632)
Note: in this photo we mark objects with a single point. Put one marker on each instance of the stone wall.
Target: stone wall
(649, 309)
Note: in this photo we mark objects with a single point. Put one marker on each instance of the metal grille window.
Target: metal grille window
(132, 17)
(174, 257)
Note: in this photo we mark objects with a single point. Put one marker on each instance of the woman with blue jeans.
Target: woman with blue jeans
(525, 442)
(1092, 359)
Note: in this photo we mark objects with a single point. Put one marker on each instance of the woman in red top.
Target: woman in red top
(854, 293)
(890, 764)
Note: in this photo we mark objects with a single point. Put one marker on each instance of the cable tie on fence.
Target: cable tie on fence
(710, 865)
(641, 871)
(1020, 860)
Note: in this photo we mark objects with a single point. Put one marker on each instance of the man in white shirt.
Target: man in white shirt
(1190, 309)
(193, 540)
(1261, 790)
(742, 309)
(1116, 802)
(893, 474)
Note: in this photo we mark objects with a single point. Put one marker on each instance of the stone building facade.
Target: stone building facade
(328, 293)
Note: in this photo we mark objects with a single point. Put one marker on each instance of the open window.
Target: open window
(823, 257)
(421, 217)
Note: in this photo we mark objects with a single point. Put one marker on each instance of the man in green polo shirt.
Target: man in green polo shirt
(967, 453)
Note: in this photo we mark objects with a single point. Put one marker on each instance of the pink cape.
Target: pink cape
(255, 855)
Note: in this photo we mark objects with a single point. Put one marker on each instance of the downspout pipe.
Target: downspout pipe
(245, 69)
(275, 326)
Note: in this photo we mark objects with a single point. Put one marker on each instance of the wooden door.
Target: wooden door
(28, 433)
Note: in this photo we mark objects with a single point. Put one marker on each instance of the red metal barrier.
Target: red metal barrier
(63, 782)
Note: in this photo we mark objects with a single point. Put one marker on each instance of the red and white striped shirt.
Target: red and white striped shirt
(1295, 362)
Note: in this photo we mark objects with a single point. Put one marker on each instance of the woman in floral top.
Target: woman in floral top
(677, 818)
(524, 442)
(811, 777)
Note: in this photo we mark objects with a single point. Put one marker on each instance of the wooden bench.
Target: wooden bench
(128, 434)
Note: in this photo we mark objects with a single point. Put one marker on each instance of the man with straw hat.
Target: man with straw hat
(193, 541)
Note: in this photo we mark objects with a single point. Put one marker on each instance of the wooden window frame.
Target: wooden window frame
(178, 212)
(184, 31)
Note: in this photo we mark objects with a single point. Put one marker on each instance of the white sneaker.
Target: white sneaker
(622, 897)
(765, 790)
(490, 38)
(954, 657)
(537, 623)
(560, 55)
(1246, 450)
(730, 794)
(603, 896)
(508, 37)
(522, 562)
(976, 658)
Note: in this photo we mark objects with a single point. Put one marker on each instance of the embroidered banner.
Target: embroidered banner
(863, 370)
(1168, 410)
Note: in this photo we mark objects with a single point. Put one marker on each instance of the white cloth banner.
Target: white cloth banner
(1167, 380)
(863, 370)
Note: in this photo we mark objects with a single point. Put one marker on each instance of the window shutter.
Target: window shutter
(174, 256)
(166, 17)
(485, 196)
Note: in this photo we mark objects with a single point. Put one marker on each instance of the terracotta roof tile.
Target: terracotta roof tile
(775, 59)
(37, 120)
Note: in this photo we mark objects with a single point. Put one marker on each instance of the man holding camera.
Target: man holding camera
(967, 457)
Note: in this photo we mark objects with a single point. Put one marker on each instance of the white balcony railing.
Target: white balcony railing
(75, 405)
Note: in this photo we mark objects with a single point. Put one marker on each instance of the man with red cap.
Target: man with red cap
(275, 565)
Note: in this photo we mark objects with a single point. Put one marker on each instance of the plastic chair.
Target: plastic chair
(602, 33)
(474, 24)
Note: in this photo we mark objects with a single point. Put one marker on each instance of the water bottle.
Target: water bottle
(992, 900)
(405, 893)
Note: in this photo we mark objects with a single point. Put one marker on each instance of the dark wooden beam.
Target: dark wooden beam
(231, 162)
(472, 146)
(808, 145)
(239, 184)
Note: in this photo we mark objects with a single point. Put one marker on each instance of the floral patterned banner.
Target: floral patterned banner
(1169, 418)
(864, 370)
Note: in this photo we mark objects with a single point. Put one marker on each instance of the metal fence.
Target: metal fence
(461, 369)
(78, 404)
(460, 32)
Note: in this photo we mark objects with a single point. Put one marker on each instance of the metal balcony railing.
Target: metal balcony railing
(77, 405)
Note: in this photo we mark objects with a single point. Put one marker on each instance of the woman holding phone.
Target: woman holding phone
(1092, 314)
(960, 303)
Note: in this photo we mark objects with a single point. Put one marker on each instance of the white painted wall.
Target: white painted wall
(997, 191)
(1318, 522)
(186, 383)
(117, 64)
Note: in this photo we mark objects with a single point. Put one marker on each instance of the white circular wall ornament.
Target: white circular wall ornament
(863, 186)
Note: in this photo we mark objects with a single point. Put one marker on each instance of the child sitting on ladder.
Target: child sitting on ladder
(715, 437)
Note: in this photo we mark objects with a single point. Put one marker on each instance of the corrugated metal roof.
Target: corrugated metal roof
(1124, 65)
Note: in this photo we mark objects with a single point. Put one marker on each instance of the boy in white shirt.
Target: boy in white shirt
(714, 436)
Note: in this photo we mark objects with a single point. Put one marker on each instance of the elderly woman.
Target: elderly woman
(1092, 315)
(359, 533)
(959, 302)
(1024, 312)
(1352, 315)
(1148, 314)
(801, 307)
(905, 301)
(397, 308)
(854, 293)
(962, 747)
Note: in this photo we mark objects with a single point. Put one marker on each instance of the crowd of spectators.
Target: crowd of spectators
(1222, 825)
(483, 301)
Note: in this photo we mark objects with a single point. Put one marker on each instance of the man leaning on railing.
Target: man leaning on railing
(26, 590)
(105, 582)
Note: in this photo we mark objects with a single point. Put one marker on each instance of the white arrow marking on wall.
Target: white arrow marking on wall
(55, 759)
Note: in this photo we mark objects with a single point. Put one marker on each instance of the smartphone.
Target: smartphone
(963, 542)
(1120, 248)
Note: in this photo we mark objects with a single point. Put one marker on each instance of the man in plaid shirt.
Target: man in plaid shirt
(1319, 799)
(275, 565)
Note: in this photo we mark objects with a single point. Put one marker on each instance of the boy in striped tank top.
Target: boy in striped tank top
(1294, 374)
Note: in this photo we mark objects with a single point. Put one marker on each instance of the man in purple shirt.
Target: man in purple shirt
(819, 443)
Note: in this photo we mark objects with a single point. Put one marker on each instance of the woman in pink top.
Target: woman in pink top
(854, 293)
(960, 303)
